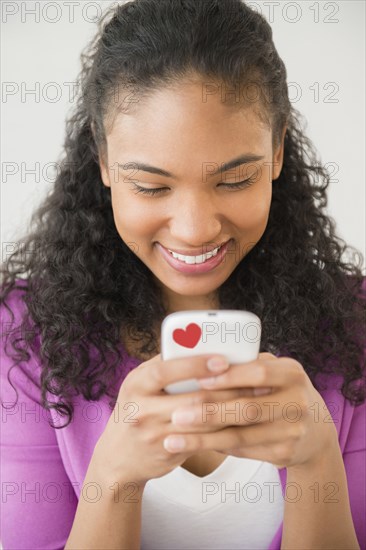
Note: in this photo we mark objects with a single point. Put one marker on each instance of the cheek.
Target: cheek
(252, 212)
(132, 218)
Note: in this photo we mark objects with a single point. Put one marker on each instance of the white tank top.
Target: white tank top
(238, 505)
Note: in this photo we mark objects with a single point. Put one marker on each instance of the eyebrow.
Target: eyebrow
(238, 161)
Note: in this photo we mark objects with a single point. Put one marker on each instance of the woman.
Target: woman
(161, 156)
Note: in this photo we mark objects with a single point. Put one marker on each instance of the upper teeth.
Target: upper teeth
(195, 259)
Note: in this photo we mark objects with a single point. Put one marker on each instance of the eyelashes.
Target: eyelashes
(157, 191)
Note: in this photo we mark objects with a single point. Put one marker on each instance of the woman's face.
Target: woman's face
(190, 137)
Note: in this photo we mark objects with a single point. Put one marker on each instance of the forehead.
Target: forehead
(180, 122)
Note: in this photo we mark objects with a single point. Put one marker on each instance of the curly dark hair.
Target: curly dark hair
(82, 282)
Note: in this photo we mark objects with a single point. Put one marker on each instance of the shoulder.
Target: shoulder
(13, 310)
(19, 364)
(349, 420)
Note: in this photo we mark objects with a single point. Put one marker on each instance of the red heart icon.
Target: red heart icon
(188, 337)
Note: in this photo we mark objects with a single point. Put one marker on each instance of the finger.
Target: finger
(166, 406)
(238, 412)
(155, 374)
(196, 442)
(262, 373)
(249, 437)
(267, 355)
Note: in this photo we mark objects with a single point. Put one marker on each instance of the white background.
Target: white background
(321, 43)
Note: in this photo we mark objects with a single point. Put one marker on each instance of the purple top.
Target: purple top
(43, 469)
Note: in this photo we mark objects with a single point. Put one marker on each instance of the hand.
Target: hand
(131, 445)
(280, 427)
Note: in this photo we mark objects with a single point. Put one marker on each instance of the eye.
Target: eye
(239, 185)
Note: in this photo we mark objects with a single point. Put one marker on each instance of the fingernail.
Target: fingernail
(183, 417)
(217, 363)
(261, 391)
(207, 382)
(174, 443)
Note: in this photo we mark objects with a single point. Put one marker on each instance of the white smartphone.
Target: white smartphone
(233, 333)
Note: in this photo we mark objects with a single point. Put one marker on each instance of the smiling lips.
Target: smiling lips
(195, 259)
(194, 264)
(208, 248)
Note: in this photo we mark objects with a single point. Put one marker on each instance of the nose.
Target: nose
(195, 221)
